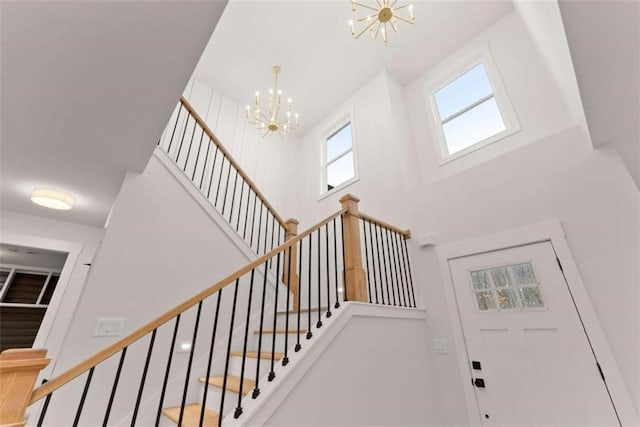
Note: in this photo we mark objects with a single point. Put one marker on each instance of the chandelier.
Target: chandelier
(381, 12)
(269, 121)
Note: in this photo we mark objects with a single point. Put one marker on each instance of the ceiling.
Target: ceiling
(88, 85)
(87, 88)
(321, 64)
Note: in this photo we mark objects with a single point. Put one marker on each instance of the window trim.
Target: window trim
(330, 131)
(452, 70)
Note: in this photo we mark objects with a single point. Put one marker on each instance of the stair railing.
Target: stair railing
(191, 144)
(323, 263)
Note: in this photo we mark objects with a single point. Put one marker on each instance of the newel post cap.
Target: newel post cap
(348, 198)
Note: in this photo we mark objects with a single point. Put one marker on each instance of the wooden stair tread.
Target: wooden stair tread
(233, 383)
(191, 416)
(280, 331)
(263, 355)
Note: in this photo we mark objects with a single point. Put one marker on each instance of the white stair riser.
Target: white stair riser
(235, 366)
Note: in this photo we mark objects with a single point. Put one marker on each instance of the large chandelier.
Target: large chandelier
(380, 12)
(268, 121)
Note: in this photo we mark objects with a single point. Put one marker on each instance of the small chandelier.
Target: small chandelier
(384, 12)
(271, 122)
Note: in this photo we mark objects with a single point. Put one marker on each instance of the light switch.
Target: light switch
(108, 327)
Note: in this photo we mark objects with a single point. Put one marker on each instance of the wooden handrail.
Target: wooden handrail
(405, 233)
(235, 164)
(109, 351)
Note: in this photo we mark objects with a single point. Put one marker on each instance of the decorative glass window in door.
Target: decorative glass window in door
(507, 287)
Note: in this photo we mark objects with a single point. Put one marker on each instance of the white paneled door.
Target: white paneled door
(530, 360)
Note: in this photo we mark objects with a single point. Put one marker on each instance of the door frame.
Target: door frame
(66, 289)
(552, 232)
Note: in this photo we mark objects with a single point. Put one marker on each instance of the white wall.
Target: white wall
(161, 248)
(372, 373)
(548, 170)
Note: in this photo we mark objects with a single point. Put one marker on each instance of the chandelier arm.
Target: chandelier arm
(366, 28)
(394, 26)
(393, 4)
(404, 20)
(377, 30)
(366, 17)
(366, 6)
(403, 6)
(381, 3)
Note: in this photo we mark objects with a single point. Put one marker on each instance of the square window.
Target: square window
(468, 104)
(339, 167)
(494, 287)
(468, 110)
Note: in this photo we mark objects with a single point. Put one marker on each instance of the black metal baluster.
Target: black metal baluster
(43, 412)
(188, 374)
(226, 187)
(285, 359)
(326, 247)
(186, 124)
(114, 387)
(184, 168)
(272, 374)
(195, 167)
(406, 251)
(393, 282)
(298, 346)
(256, 390)
(273, 224)
(373, 262)
(233, 197)
(210, 360)
(309, 334)
(238, 410)
(226, 363)
(144, 377)
(240, 205)
(266, 233)
(394, 241)
(319, 324)
(375, 229)
(253, 218)
(344, 270)
(213, 169)
(246, 215)
(174, 127)
(400, 238)
(366, 257)
(224, 157)
(166, 373)
(83, 397)
(335, 262)
(259, 227)
(204, 166)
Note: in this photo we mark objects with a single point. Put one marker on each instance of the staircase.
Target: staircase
(260, 357)
(242, 330)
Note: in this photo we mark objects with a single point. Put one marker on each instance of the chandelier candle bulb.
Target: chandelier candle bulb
(353, 31)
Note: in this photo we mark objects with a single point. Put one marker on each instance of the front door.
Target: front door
(530, 359)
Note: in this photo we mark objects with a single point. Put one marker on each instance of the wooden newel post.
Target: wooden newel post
(290, 274)
(19, 369)
(354, 275)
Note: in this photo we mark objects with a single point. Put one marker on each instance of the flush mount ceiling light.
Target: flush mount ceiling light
(53, 199)
(271, 122)
(380, 12)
